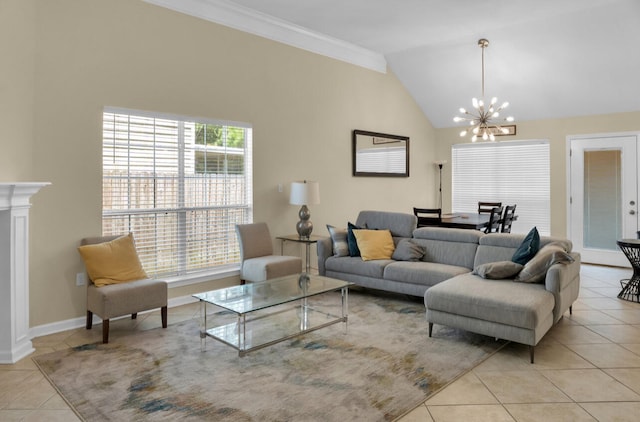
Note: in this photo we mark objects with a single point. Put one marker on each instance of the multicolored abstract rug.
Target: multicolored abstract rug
(382, 367)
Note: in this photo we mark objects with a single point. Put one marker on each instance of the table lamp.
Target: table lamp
(304, 193)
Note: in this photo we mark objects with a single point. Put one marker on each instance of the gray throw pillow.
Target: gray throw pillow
(338, 241)
(535, 270)
(406, 250)
(498, 270)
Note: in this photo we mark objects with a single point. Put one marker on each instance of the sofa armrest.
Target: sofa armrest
(563, 280)
(325, 250)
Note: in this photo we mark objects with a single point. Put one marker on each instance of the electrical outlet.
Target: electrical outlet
(81, 279)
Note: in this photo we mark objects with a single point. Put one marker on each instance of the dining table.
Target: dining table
(462, 220)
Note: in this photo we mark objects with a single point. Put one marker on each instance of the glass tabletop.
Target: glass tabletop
(255, 296)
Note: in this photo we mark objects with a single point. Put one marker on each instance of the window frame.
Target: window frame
(240, 211)
(511, 172)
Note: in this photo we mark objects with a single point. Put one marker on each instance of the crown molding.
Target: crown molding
(229, 14)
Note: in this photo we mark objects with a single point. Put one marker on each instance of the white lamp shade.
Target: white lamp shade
(305, 193)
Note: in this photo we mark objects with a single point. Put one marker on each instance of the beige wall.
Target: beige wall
(556, 131)
(90, 54)
(17, 50)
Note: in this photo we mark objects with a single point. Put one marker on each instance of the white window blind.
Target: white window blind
(180, 185)
(514, 172)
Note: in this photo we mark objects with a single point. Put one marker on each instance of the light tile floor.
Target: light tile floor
(587, 368)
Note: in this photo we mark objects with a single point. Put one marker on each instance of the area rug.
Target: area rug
(383, 365)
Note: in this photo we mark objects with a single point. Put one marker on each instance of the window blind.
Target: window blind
(514, 172)
(180, 185)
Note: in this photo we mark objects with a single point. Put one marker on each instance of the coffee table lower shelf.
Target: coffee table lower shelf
(254, 331)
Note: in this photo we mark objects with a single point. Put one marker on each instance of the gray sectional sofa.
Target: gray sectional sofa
(455, 296)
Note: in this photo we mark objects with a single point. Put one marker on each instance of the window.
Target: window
(180, 185)
(515, 172)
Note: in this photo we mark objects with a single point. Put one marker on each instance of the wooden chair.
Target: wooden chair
(130, 297)
(494, 220)
(507, 218)
(257, 261)
(428, 216)
(486, 207)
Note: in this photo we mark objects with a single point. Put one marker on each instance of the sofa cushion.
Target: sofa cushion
(423, 273)
(406, 250)
(374, 244)
(355, 265)
(400, 224)
(527, 248)
(536, 269)
(501, 246)
(455, 247)
(502, 301)
(338, 241)
(498, 270)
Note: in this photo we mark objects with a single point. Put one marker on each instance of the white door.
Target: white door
(604, 196)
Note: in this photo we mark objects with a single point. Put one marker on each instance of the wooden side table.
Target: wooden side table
(308, 241)
(631, 289)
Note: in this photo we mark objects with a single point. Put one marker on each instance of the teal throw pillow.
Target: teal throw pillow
(528, 248)
(351, 239)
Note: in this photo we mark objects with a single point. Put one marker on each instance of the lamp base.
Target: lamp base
(304, 226)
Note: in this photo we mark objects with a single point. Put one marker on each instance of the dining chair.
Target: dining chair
(486, 207)
(494, 220)
(428, 216)
(507, 218)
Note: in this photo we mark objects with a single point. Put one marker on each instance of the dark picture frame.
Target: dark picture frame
(377, 154)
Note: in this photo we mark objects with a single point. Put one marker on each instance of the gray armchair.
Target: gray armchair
(120, 299)
(258, 263)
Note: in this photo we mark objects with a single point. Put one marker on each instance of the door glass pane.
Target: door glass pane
(602, 199)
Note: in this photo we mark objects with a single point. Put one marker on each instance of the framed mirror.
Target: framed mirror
(380, 154)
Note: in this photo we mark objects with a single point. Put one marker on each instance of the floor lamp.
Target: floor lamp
(440, 164)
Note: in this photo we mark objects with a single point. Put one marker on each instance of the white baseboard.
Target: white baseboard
(70, 324)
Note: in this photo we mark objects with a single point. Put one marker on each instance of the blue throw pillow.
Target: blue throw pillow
(351, 239)
(528, 248)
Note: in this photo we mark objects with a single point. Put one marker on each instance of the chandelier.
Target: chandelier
(484, 119)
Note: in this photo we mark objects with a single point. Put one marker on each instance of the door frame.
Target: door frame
(570, 138)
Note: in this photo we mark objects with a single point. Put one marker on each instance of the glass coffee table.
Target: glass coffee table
(256, 315)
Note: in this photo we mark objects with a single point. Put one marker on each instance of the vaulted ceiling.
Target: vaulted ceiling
(548, 58)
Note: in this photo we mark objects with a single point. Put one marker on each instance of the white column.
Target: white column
(15, 340)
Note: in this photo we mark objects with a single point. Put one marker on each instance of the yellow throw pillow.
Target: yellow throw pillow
(112, 262)
(374, 244)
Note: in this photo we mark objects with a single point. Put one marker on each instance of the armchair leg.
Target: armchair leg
(571, 310)
(430, 328)
(134, 315)
(105, 331)
(89, 320)
(163, 313)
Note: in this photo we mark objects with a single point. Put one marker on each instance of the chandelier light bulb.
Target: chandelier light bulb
(505, 104)
(463, 110)
(510, 119)
(492, 138)
(504, 130)
(474, 138)
(457, 119)
(463, 133)
(474, 101)
(494, 100)
(495, 114)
